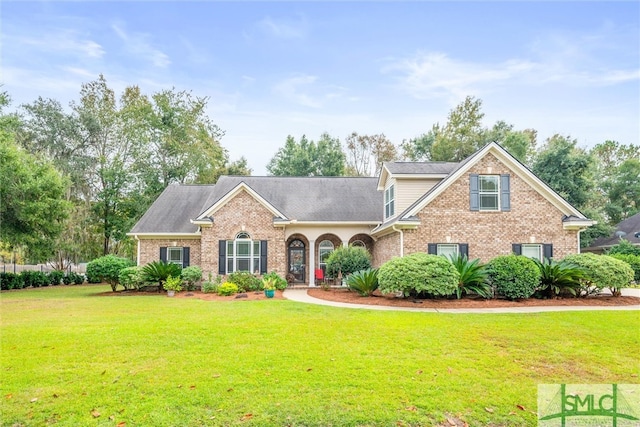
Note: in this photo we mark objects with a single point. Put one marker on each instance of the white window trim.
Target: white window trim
(178, 249)
(481, 193)
(252, 256)
(389, 201)
(538, 246)
(450, 245)
(323, 250)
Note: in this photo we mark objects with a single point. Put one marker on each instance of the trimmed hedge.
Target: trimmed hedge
(10, 281)
(418, 274)
(245, 281)
(633, 261)
(603, 271)
(107, 269)
(514, 276)
(347, 260)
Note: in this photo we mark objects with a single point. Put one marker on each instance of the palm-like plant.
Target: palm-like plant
(364, 282)
(559, 278)
(473, 276)
(158, 271)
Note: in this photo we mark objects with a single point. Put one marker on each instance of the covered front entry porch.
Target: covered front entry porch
(307, 253)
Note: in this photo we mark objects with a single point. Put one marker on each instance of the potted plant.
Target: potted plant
(172, 285)
(269, 286)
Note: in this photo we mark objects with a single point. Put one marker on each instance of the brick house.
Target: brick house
(487, 205)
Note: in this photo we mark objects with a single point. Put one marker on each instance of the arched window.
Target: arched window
(359, 244)
(243, 254)
(324, 250)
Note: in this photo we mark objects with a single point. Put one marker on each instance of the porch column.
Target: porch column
(345, 243)
(312, 263)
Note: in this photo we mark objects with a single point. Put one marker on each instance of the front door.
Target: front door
(297, 260)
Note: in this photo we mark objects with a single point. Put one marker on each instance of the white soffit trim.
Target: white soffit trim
(514, 165)
(233, 193)
(195, 235)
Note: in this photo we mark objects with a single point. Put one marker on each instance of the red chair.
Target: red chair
(319, 275)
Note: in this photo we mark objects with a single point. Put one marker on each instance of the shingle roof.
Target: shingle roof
(312, 198)
(173, 209)
(420, 168)
(629, 226)
(343, 199)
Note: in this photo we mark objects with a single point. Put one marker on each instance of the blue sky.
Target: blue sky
(273, 69)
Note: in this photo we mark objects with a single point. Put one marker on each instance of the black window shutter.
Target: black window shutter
(163, 253)
(463, 249)
(474, 192)
(263, 257)
(185, 257)
(222, 256)
(505, 193)
(547, 250)
(432, 248)
(516, 248)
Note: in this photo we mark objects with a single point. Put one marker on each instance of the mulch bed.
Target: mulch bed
(249, 296)
(344, 295)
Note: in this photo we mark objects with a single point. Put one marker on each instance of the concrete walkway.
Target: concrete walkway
(300, 295)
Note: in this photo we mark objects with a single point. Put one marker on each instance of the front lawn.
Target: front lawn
(74, 358)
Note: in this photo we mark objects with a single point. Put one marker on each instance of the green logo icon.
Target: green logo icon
(577, 405)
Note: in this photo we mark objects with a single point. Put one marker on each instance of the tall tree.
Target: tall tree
(623, 191)
(567, 169)
(32, 203)
(367, 153)
(520, 144)
(121, 153)
(462, 135)
(306, 158)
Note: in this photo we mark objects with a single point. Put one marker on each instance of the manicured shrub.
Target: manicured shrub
(107, 269)
(245, 281)
(418, 274)
(130, 278)
(158, 271)
(191, 275)
(210, 287)
(625, 247)
(347, 260)
(34, 278)
(76, 278)
(602, 271)
(634, 263)
(473, 276)
(513, 276)
(227, 288)
(364, 282)
(66, 279)
(559, 278)
(55, 277)
(11, 281)
(280, 283)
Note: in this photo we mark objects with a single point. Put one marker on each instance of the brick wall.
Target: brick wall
(386, 247)
(243, 210)
(532, 219)
(150, 249)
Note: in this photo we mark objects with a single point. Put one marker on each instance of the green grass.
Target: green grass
(158, 361)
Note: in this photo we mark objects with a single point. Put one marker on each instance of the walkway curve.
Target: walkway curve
(301, 295)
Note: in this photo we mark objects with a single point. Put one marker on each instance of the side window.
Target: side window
(389, 202)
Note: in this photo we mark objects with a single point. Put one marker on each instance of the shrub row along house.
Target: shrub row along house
(487, 205)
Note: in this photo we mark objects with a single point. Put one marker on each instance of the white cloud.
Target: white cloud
(295, 89)
(284, 29)
(139, 45)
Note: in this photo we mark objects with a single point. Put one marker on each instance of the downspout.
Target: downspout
(580, 230)
(399, 230)
(135, 236)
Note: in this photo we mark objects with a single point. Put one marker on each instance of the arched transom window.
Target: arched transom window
(324, 250)
(243, 254)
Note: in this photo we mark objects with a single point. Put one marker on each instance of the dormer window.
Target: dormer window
(389, 202)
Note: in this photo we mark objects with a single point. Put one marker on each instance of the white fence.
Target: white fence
(45, 268)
